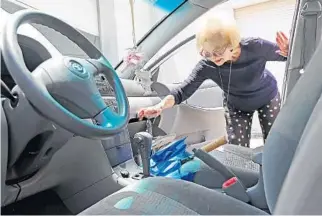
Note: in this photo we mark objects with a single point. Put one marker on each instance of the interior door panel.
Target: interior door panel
(198, 124)
(200, 118)
(209, 95)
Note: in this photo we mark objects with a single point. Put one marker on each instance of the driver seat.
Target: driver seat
(294, 132)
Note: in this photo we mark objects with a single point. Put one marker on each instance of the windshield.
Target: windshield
(147, 13)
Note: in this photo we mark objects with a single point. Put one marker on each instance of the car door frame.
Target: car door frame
(299, 57)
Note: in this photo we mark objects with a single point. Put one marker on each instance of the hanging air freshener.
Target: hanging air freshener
(133, 57)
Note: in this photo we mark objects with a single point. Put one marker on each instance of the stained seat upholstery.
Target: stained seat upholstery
(286, 139)
(165, 196)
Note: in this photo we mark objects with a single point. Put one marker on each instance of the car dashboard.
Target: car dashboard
(94, 159)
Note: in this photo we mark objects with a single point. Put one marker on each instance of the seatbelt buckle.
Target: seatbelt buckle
(233, 187)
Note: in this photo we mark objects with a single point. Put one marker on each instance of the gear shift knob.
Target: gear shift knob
(143, 141)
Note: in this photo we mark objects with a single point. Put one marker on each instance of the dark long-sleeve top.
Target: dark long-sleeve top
(251, 84)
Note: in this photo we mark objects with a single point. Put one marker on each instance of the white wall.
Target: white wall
(264, 20)
(81, 14)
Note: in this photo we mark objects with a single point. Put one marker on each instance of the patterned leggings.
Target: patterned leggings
(239, 123)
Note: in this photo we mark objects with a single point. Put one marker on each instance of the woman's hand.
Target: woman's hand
(149, 112)
(155, 111)
(283, 43)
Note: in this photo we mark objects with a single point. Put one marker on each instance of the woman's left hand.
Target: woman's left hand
(283, 43)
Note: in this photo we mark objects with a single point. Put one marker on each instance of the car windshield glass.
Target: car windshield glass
(147, 13)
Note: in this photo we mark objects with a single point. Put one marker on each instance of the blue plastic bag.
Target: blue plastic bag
(174, 161)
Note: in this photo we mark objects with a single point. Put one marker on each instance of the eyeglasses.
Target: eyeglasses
(215, 53)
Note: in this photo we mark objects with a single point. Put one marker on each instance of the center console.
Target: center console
(124, 153)
(129, 151)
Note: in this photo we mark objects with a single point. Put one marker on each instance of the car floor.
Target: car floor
(44, 203)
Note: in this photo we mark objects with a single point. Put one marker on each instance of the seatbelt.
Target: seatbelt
(311, 12)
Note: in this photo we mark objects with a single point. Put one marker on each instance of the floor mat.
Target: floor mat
(44, 203)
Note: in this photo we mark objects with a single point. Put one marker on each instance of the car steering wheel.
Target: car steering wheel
(63, 89)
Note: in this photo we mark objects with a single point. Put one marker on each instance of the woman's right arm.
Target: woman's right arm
(190, 84)
(178, 95)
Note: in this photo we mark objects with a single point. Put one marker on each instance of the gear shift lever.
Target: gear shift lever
(143, 141)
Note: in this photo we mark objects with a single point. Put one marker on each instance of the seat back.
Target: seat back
(288, 128)
(302, 189)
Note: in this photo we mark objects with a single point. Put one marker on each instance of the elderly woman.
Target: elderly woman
(237, 66)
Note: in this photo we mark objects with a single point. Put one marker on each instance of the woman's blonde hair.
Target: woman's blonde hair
(216, 34)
